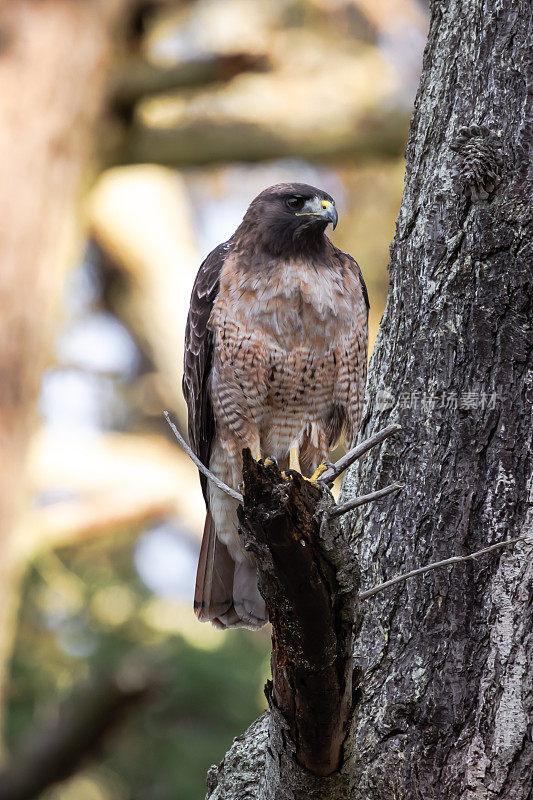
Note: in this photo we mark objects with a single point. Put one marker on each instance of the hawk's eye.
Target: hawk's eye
(296, 203)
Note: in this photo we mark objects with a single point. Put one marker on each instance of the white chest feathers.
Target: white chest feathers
(292, 302)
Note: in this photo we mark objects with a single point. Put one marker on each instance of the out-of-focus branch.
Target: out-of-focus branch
(138, 78)
(207, 141)
(56, 750)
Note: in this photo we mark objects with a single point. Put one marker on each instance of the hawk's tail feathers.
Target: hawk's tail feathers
(213, 595)
(222, 585)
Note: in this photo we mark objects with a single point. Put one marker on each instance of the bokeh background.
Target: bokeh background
(134, 135)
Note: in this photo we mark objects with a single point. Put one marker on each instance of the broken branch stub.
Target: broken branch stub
(309, 579)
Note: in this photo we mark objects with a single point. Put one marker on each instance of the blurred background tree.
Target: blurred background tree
(134, 135)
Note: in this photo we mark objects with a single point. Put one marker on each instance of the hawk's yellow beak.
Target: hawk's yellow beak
(320, 208)
(329, 212)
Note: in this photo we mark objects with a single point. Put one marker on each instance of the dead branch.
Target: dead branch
(436, 564)
(309, 580)
(352, 455)
(203, 469)
(366, 498)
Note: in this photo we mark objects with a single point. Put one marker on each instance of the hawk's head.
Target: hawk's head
(288, 219)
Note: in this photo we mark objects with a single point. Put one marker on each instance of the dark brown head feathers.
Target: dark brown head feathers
(277, 224)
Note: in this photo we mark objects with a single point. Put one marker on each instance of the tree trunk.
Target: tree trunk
(53, 58)
(447, 686)
(447, 659)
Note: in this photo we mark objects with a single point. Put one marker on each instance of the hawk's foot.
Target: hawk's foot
(294, 464)
(270, 460)
(319, 471)
(294, 459)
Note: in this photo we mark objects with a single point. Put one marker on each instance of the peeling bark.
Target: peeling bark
(446, 710)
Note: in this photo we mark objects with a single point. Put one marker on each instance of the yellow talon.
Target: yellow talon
(318, 472)
(294, 464)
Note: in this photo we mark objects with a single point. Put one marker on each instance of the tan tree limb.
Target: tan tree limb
(49, 104)
(196, 141)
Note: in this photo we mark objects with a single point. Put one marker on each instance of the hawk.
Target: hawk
(275, 360)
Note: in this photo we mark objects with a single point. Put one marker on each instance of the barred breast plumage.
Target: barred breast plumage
(289, 350)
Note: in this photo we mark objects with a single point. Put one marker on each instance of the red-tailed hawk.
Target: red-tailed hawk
(275, 360)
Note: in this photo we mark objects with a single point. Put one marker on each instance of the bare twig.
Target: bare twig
(446, 563)
(203, 469)
(328, 477)
(352, 455)
(366, 498)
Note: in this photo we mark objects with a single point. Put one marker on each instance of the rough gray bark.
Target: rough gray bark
(447, 691)
(447, 710)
